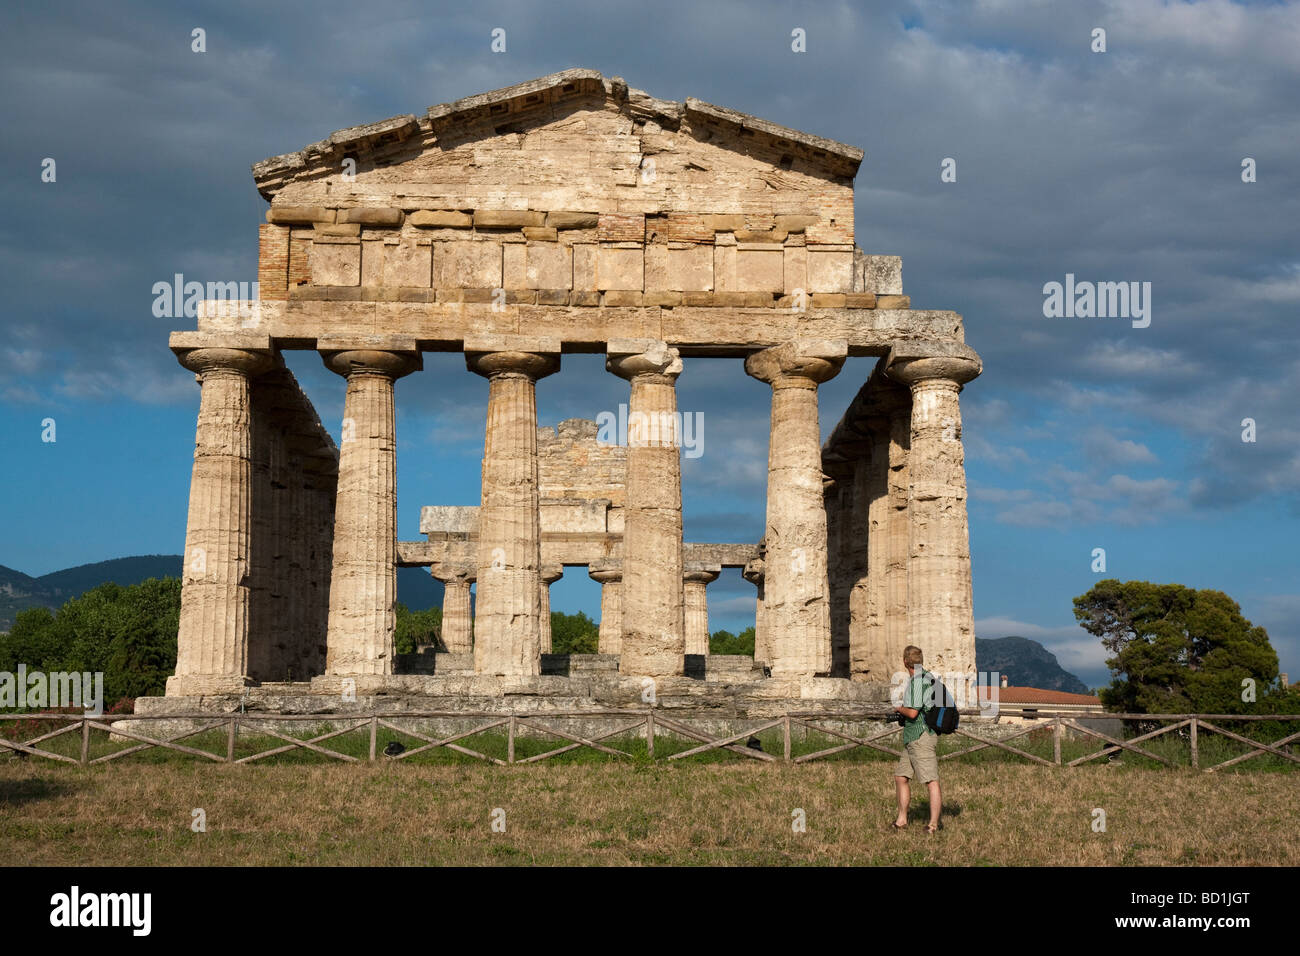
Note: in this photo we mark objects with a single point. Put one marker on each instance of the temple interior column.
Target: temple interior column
(507, 626)
(654, 642)
(550, 573)
(695, 582)
(212, 641)
(610, 576)
(363, 579)
(796, 585)
(457, 618)
(753, 573)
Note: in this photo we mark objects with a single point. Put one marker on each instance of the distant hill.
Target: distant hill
(1025, 663)
(416, 588)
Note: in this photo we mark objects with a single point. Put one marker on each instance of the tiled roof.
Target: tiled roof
(1036, 695)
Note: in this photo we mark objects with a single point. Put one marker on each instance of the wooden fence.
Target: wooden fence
(647, 723)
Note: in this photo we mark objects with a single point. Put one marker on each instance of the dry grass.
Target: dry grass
(720, 813)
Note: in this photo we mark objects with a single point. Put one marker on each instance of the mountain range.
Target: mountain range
(416, 588)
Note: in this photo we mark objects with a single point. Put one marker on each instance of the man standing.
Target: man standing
(919, 759)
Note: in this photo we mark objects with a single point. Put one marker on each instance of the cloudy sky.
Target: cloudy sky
(1082, 433)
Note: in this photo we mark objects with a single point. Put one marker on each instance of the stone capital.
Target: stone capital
(217, 359)
(642, 359)
(390, 364)
(605, 571)
(550, 573)
(945, 370)
(701, 572)
(452, 572)
(531, 365)
(754, 571)
(798, 364)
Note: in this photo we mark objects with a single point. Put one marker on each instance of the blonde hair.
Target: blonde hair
(912, 655)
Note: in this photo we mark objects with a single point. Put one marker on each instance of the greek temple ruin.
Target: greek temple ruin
(569, 214)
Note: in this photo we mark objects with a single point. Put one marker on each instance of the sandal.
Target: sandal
(933, 827)
(896, 826)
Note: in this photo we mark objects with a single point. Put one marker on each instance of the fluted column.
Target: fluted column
(457, 621)
(549, 575)
(610, 576)
(796, 585)
(939, 582)
(507, 626)
(363, 579)
(695, 601)
(212, 640)
(654, 642)
(898, 630)
(868, 653)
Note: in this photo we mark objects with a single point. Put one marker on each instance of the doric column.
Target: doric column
(939, 582)
(457, 623)
(550, 573)
(753, 573)
(507, 624)
(363, 579)
(795, 586)
(212, 641)
(653, 640)
(610, 576)
(696, 578)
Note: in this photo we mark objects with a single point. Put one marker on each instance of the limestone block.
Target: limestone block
(282, 215)
(830, 270)
(408, 264)
(724, 268)
(619, 267)
(882, 275)
(372, 262)
(584, 266)
(372, 216)
(440, 219)
(507, 218)
(336, 264)
(760, 269)
(548, 265)
(795, 268)
(461, 519)
(573, 516)
(572, 220)
(513, 269)
(465, 264)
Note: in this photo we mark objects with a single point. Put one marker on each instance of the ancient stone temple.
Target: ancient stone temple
(570, 214)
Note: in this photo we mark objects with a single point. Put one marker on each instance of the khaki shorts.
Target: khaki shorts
(919, 759)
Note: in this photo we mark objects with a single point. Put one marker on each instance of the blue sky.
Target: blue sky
(1081, 433)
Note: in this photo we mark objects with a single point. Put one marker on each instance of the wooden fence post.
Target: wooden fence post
(232, 729)
(786, 729)
(510, 741)
(1196, 749)
(650, 733)
(1056, 741)
(85, 741)
(374, 734)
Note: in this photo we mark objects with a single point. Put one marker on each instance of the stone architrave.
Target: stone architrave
(654, 642)
(610, 576)
(507, 623)
(796, 585)
(939, 584)
(457, 622)
(212, 641)
(363, 579)
(696, 578)
(550, 573)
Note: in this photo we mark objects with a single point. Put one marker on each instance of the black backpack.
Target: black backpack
(940, 708)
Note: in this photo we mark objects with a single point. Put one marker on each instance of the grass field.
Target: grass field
(588, 808)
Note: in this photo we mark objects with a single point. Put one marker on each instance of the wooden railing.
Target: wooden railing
(647, 723)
